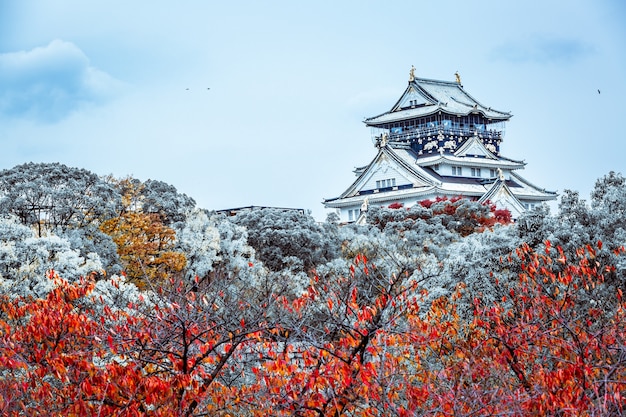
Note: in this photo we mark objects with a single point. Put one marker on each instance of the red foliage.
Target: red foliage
(544, 349)
(426, 203)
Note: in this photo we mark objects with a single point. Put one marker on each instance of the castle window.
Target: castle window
(388, 182)
(475, 172)
(458, 171)
(492, 173)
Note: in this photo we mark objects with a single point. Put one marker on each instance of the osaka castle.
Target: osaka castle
(438, 141)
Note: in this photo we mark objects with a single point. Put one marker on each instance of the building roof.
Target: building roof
(234, 211)
(501, 195)
(417, 175)
(410, 157)
(424, 97)
(423, 182)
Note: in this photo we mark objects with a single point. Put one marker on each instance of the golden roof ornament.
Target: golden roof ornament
(412, 74)
(458, 78)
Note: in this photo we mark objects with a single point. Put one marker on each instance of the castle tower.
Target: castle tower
(438, 141)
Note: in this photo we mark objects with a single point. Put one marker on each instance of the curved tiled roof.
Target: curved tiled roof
(424, 97)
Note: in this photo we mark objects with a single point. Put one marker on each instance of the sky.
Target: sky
(262, 103)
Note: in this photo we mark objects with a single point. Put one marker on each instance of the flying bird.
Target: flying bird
(598, 91)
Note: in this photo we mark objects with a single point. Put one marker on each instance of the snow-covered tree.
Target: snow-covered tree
(199, 239)
(287, 239)
(50, 196)
(156, 198)
(54, 199)
(26, 260)
(164, 199)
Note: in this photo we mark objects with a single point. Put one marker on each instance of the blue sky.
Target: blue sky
(262, 103)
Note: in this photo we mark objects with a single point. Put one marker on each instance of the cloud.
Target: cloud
(49, 83)
(542, 50)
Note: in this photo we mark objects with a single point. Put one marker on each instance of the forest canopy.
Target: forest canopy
(122, 297)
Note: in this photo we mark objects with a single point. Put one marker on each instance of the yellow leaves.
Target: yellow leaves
(144, 242)
(144, 245)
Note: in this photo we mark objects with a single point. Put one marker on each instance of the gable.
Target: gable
(503, 198)
(474, 147)
(387, 169)
(384, 175)
(511, 204)
(410, 98)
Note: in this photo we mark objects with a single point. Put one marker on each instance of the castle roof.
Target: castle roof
(421, 181)
(424, 97)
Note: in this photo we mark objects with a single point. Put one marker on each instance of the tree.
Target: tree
(558, 353)
(287, 239)
(155, 197)
(68, 202)
(215, 349)
(145, 245)
(163, 199)
(50, 350)
(459, 215)
(199, 239)
(51, 196)
(26, 259)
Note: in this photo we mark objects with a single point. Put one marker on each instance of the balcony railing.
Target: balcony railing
(410, 134)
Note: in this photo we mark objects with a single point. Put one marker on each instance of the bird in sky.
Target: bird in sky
(598, 91)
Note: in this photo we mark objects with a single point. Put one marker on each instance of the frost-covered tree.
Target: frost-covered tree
(156, 198)
(480, 262)
(51, 196)
(287, 239)
(54, 199)
(26, 260)
(239, 265)
(91, 239)
(164, 199)
(199, 239)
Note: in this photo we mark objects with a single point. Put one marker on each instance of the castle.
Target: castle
(438, 141)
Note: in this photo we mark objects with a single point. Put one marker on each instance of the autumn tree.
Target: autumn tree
(579, 223)
(51, 355)
(222, 348)
(145, 244)
(557, 352)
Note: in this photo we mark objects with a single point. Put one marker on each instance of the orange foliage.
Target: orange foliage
(144, 244)
(542, 350)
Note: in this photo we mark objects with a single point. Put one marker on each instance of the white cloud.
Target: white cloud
(48, 83)
(543, 49)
